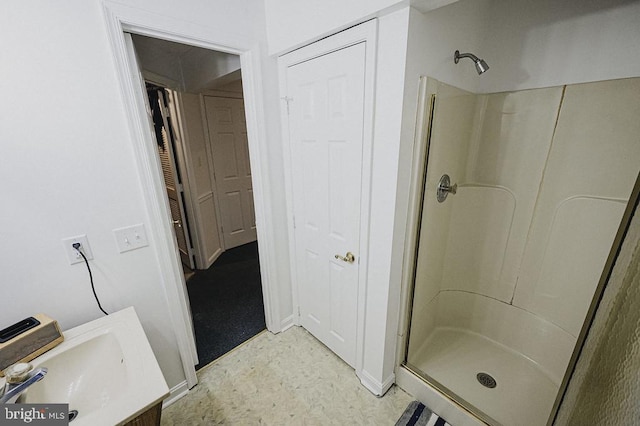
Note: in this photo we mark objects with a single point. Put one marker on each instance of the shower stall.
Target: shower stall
(520, 200)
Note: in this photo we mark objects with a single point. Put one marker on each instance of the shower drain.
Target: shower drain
(486, 380)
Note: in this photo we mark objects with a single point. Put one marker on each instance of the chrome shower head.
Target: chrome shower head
(481, 65)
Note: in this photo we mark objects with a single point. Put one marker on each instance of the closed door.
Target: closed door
(230, 152)
(325, 98)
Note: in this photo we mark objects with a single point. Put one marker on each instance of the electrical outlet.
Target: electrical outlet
(72, 254)
(130, 237)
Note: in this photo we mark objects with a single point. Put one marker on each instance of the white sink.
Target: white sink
(104, 369)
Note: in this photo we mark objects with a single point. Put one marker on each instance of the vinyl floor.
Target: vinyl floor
(288, 378)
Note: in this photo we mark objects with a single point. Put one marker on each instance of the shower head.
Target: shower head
(481, 65)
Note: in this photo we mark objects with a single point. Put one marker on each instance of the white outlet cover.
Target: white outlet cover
(130, 238)
(72, 254)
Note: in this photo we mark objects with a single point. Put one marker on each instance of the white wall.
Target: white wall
(382, 298)
(68, 164)
(294, 23)
(528, 44)
(435, 36)
(549, 43)
(271, 101)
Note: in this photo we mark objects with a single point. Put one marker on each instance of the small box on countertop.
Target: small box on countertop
(28, 339)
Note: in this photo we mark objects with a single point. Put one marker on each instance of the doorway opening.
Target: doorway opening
(197, 112)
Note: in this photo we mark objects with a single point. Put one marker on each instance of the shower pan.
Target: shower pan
(520, 202)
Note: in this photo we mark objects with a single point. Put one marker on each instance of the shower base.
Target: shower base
(524, 393)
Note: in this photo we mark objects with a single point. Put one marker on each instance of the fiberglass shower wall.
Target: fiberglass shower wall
(515, 255)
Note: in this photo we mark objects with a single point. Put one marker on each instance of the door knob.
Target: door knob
(349, 257)
(445, 188)
(177, 222)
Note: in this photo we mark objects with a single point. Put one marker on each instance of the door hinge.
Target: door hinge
(287, 100)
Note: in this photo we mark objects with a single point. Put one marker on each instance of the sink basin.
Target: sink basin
(104, 369)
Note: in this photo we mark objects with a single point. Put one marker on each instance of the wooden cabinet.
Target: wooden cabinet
(151, 417)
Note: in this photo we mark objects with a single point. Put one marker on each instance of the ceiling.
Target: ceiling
(194, 68)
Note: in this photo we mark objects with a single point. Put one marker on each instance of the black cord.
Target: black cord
(91, 279)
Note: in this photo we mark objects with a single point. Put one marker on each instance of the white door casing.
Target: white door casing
(327, 92)
(120, 19)
(230, 160)
(190, 358)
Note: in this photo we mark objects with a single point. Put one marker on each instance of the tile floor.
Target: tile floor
(285, 379)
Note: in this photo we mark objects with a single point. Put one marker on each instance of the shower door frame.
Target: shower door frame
(427, 101)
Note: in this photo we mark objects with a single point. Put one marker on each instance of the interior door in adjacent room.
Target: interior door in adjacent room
(173, 182)
(326, 98)
(230, 153)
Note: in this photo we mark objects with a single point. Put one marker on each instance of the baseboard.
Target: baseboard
(375, 387)
(436, 401)
(176, 392)
(213, 258)
(287, 323)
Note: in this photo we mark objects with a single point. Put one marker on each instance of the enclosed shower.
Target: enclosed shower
(521, 199)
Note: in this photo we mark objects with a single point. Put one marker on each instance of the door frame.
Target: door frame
(362, 33)
(121, 19)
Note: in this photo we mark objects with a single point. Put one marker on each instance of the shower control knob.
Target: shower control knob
(445, 188)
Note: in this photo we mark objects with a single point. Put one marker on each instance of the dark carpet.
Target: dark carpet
(226, 302)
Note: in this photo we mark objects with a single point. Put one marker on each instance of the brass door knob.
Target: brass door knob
(349, 257)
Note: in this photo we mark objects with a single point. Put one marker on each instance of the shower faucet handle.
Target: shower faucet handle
(445, 188)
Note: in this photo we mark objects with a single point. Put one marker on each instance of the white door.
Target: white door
(230, 152)
(326, 129)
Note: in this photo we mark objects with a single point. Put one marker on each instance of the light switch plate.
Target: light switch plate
(72, 254)
(130, 237)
